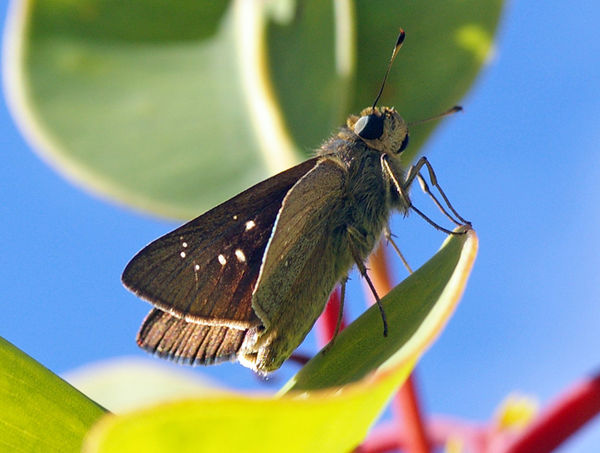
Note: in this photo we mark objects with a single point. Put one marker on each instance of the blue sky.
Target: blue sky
(521, 162)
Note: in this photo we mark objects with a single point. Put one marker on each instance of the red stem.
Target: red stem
(328, 319)
(557, 423)
(561, 420)
(386, 437)
(413, 433)
(406, 405)
(406, 400)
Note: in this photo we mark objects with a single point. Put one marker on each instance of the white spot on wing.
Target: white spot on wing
(250, 224)
(235, 217)
(184, 244)
(182, 254)
(197, 267)
(222, 260)
(240, 256)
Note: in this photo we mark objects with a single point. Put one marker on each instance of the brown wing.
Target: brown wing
(205, 270)
(188, 342)
(306, 256)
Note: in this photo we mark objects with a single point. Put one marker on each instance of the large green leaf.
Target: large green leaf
(416, 310)
(172, 107)
(38, 410)
(447, 42)
(144, 117)
(310, 58)
(338, 415)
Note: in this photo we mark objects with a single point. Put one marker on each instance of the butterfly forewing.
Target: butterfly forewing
(198, 270)
(295, 279)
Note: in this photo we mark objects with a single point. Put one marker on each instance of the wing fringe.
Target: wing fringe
(187, 342)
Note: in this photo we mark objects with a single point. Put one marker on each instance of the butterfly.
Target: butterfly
(248, 279)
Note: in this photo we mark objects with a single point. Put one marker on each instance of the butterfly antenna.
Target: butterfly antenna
(399, 42)
(456, 108)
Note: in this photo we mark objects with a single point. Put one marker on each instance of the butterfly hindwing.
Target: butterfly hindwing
(196, 344)
(205, 270)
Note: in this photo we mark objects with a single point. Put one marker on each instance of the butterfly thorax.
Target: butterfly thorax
(377, 132)
(369, 194)
(369, 186)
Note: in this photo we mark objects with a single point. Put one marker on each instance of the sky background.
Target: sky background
(521, 162)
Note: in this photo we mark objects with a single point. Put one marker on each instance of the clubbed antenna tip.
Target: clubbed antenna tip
(399, 42)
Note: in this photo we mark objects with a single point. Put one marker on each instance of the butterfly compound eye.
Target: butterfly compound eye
(369, 127)
(403, 145)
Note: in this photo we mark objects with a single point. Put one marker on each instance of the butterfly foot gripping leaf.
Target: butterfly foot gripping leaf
(249, 278)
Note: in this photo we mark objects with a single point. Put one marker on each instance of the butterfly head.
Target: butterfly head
(381, 128)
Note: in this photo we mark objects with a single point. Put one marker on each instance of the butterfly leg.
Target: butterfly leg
(389, 237)
(354, 238)
(403, 188)
(340, 318)
(338, 324)
(415, 172)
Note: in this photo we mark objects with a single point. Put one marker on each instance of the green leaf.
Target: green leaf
(311, 70)
(447, 42)
(38, 410)
(153, 117)
(303, 419)
(173, 107)
(416, 310)
(127, 383)
(236, 424)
